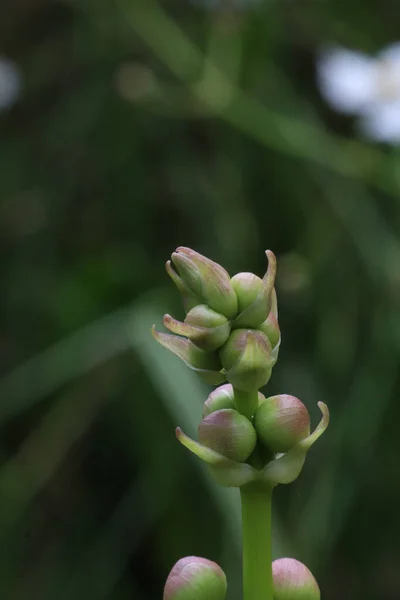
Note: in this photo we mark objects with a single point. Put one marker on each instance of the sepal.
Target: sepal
(205, 364)
(225, 471)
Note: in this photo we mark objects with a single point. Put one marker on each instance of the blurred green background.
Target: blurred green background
(142, 126)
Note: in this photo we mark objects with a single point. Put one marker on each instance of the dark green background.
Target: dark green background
(128, 141)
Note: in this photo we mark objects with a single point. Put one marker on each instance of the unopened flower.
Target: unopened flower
(356, 83)
(228, 432)
(281, 422)
(254, 295)
(247, 359)
(195, 578)
(293, 581)
(203, 281)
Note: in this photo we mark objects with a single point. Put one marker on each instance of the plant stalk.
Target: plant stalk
(256, 538)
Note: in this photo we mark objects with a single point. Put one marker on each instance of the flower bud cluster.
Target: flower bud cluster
(231, 330)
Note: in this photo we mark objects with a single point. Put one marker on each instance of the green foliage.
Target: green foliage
(143, 126)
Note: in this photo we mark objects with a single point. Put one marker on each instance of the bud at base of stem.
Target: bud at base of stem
(195, 578)
(293, 581)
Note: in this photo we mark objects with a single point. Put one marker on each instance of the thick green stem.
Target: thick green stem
(256, 534)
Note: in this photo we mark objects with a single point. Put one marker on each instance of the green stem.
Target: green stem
(246, 402)
(256, 533)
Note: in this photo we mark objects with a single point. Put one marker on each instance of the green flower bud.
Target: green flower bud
(247, 359)
(203, 279)
(281, 422)
(223, 397)
(247, 287)
(254, 295)
(203, 326)
(220, 398)
(229, 433)
(195, 578)
(293, 581)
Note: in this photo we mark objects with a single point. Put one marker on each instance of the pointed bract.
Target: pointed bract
(206, 365)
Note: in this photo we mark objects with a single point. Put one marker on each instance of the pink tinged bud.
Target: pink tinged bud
(281, 422)
(223, 397)
(229, 433)
(195, 578)
(247, 359)
(220, 398)
(203, 326)
(254, 295)
(206, 280)
(293, 581)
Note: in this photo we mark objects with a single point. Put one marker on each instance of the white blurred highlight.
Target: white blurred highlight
(355, 83)
(10, 83)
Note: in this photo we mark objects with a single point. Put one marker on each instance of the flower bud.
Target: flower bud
(254, 295)
(223, 397)
(281, 422)
(293, 581)
(228, 432)
(247, 287)
(220, 398)
(195, 578)
(205, 280)
(203, 326)
(247, 359)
